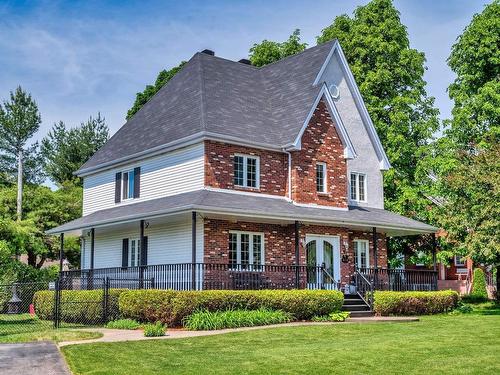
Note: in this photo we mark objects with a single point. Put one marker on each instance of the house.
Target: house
(234, 176)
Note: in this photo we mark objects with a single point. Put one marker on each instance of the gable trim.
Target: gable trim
(349, 151)
(358, 99)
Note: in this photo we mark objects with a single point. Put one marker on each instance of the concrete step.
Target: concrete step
(355, 308)
(352, 301)
(361, 314)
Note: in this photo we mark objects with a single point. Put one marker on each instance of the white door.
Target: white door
(323, 250)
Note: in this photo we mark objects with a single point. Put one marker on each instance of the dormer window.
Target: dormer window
(321, 177)
(357, 187)
(246, 171)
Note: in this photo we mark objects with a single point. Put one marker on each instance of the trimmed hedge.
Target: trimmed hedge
(414, 303)
(171, 307)
(77, 306)
(479, 292)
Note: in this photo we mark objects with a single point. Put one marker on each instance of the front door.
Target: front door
(323, 250)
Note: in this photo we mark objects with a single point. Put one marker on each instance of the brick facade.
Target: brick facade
(320, 143)
(279, 243)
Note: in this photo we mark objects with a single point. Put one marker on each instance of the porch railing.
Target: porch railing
(400, 280)
(198, 276)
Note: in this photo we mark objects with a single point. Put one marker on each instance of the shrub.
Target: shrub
(123, 324)
(172, 307)
(87, 310)
(154, 330)
(333, 317)
(479, 292)
(207, 320)
(414, 303)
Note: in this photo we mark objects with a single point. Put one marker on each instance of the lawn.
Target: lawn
(462, 344)
(24, 328)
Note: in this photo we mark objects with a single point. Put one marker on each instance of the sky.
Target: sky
(80, 58)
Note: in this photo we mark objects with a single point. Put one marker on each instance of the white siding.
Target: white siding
(176, 172)
(167, 243)
(367, 161)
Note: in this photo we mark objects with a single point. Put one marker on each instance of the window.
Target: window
(128, 182)
(246, 171)
(134, 252)
(245, 249)
(321, 177)
(459, 261)
(358, 187)
(361, 255)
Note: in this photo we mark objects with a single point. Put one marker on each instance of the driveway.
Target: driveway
(41, 358)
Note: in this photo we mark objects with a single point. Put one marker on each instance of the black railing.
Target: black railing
(364, 288)
(198, 276)
(400, 280)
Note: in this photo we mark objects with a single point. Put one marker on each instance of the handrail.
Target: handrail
(328, 274)
(361, 287)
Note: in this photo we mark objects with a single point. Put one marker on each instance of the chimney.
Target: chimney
(208, 52)
(245, 61)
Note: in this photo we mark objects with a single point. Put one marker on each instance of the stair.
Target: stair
(356, 306)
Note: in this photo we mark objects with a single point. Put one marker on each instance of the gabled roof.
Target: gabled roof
(250, 206)
(217, 98)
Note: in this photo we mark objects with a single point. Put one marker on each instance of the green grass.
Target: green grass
(25, 328)
(444, 344)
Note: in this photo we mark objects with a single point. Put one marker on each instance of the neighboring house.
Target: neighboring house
(233, 176)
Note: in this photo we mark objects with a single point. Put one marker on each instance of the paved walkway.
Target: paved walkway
(40, 358)
(114, 335)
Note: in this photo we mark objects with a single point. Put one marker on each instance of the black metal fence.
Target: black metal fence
(400, 280)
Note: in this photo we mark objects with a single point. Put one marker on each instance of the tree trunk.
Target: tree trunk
(19, 210)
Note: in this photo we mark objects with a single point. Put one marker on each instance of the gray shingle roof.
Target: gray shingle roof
(265, 105)
(257, 206)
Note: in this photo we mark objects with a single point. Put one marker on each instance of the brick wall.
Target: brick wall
(320, 143)
(219, 169)
(279, 243)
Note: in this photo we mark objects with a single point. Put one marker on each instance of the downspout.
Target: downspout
(289, 173)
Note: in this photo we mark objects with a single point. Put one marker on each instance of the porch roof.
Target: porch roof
(249, 206)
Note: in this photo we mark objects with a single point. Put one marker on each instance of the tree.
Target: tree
(475, 58)
(65, 150)
(267, 52)
(19, 120)
(142, 97)
(390, 77)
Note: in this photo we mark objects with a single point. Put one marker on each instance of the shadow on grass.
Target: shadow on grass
(486, 308)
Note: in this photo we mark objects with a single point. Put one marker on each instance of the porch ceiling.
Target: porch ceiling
(249, 207)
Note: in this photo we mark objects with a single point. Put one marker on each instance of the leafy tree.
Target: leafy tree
(19, 120)
(142, 97)
(267, 52)
(475, 58)
(65, 150)
(390, 77)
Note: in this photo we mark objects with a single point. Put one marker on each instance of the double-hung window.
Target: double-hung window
(361, 254)
(357, 186)
(134, 252)
(321, 177)
(246, 171)
(246, 250)
(128, 184)
(459, 261)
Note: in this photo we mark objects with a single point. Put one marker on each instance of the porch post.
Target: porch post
(297, 247)
(92, 248)
(375, 256)
(193, 250)
(434, 251)
(61, 253)
(141, 256)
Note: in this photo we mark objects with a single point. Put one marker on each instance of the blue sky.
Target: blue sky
(78, 58)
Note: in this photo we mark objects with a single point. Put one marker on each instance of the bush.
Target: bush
(86, 310)
(123, 324)
(154, 330)
(207, 320)
(333, 317)
(479, 292)
(171, 307)
(414, 303)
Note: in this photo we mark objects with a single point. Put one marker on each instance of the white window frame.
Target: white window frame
(127, 172)
(245, 171)
(325, 188)
(459, 264)
(358, 253)
(137, 251)
(250, 253)
(365, 192)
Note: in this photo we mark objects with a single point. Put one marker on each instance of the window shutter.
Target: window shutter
(137, 182)
(118, 187)
(125, 253)
(144, 252)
